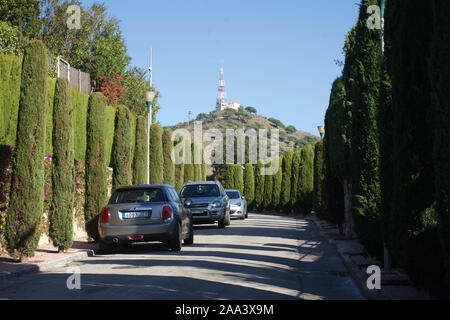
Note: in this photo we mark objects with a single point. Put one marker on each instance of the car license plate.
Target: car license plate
(136, 215)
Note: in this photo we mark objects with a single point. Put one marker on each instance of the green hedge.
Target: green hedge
(306, 180)
(277, 185)
(61, 210)
(259, 186)
(121, 158)
(25, 212)
(249, 184)
(156, 155)
(140, 154)
(319, 176)
(80, 106)
(10, 73)
(96, 179)
(169, 167)
(440, 71)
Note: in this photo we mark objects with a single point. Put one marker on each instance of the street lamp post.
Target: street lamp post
(321, 131)
(149, 96)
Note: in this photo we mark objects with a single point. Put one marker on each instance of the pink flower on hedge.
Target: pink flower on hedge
(45, 193)
(47, 222)
(49, 157)
(77, 187)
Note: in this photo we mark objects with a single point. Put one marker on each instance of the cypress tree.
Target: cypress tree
(189, 169)
(27, 196)
(238, 178)
(364, 96)
(306, 180)
(179, 176)
(268, 192)
(204, 171)
(96, 189)
(286, 189)
(156, 155)
(61, 210)
(229, 182)
(179, 169)
(277, 184)
(295, 182)
(259, 185)
(140, 152)
(415, 242)
(319, 177)
(338, 136)
(169, 167)
(249, 184)
(121, 151)
(440, 73)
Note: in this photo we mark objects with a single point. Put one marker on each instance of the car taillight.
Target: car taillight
(166, 212)
(105, 215)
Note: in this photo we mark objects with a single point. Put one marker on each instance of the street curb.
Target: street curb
(47, 265)
(355, 272)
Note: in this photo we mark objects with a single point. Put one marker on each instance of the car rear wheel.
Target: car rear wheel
(176, 242)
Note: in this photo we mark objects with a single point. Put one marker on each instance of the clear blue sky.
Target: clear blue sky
(278, 56)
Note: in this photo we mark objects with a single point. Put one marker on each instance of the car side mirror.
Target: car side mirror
(187, 202)
(243, 198)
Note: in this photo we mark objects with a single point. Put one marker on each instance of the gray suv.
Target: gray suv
(207, 201)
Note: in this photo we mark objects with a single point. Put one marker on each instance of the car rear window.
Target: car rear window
(233, 194)
(200, 190)
(138, 196)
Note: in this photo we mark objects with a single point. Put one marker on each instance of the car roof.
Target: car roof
(144, 186)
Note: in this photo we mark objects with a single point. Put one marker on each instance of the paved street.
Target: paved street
(264, 257)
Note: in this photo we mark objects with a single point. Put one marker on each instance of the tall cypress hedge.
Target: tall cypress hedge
(197, 166)
(415, 242)
(319, 177)
(238, 178)
(249, 184)
(169, 167)
(277, 185)
(189, 168)
(96, 189)
(294, 202)
(259, 185)
(179, 169)
(338, 133)
(24, 217)
(140, 152)
(179, 176)
(364, 97)
(156, 155)
(440, 73)
(306, 180)
(268, 192)
(229, 182)
(61, 210)
(121, 154)
(10, 74)
(286, 189)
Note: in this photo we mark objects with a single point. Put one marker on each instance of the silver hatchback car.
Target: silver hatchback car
(143, 214)
(238, 204)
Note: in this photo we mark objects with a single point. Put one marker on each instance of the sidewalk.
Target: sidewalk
(395, 284)
(46, 258)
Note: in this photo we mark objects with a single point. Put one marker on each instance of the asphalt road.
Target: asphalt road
(264, 257)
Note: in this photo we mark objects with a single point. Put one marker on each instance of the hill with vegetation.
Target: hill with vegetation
(290, 137)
